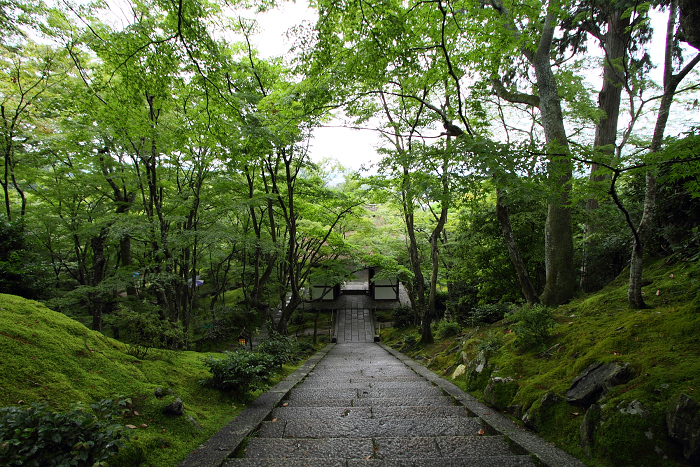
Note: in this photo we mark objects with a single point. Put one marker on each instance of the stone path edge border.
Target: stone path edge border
(228, 440)
(546, 453)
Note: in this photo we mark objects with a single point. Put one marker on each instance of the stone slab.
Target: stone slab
(320, 403)
(545, 453)
(400, 392)
(307, 462)
(308, 394)
(321, 413)
(416, 447)
(371, 428)
(309, 448)
(421, 412)
(403, 401)
(500, 461)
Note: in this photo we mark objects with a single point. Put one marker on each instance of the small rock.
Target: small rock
(515, 410)
(683, 422)
(587, 428)
(634, 408)
(459, 371)
(194, 422)
(158, 392)
(176, 407)
(661, 388)
(596, 380)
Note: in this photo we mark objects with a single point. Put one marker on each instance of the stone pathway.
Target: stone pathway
(354, 325)
(362, 406)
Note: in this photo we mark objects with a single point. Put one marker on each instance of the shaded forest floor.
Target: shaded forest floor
(660, 343)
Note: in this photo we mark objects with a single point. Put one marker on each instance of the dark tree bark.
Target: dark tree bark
(503, 214)
(690, 21)
(559, 243)
(614, 43)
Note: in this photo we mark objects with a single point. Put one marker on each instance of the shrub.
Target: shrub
(301, 317)
(409, 340)
(279, 347)
(489, 313)
(532, 327)
(445, 328)
(142, 328)
(37, 436)
(402, 317)
(239, 371)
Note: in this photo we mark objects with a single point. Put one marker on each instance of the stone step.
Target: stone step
(359, 372)
(361, 379)
(455, 447)
(301, 393)
(371, 428)
(496, 461)
(369, 384)
(430, 401)
(337, 412)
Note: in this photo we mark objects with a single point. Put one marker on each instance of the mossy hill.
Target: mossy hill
(660, 343)
(48, 357)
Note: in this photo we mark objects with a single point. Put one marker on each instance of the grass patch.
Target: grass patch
(48, 357)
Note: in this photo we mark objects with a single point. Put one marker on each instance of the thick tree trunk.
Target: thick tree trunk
(503, 215)
(690, 21)
(615, 44)
(559, 242)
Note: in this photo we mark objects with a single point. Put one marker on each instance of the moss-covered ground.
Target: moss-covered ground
(661, 344)
(48, 357)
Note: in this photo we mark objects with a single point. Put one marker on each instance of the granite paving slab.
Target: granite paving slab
(409, 447)
(400, 392)
(403, 401)
(371, 428)
(322, 413)
(497, 461)
(309, 448)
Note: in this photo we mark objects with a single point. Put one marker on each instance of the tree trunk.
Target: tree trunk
(420, 307)
(690, 21)
(97, 299)
(559, 242)
(503, 215)
(671, 82)
(616, 39)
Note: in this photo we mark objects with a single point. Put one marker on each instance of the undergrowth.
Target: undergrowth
(52, 360)
(660, 343)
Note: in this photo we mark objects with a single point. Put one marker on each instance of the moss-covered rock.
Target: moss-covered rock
(499, 393)
(683, 422)
(629, 435)
(478, 373)
(541, 416)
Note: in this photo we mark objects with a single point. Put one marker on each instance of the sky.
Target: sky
(352, 148)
